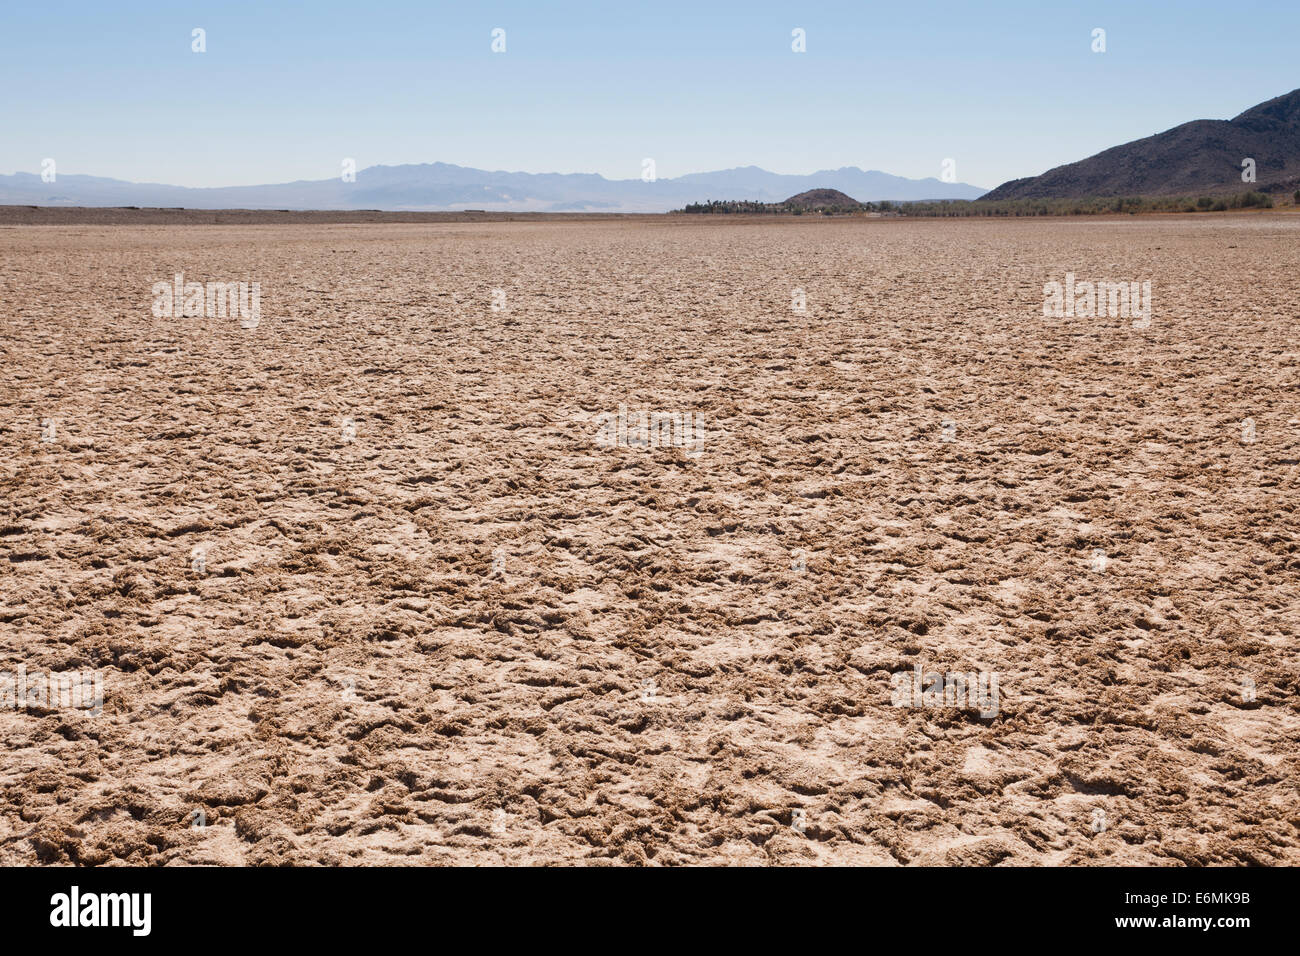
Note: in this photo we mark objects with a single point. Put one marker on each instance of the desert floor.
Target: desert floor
(438, 621)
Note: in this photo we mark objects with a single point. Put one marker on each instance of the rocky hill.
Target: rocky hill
(1203, 157)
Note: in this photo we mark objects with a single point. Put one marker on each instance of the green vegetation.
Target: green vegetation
(750, 207)
(1085, 207)
(964, 208)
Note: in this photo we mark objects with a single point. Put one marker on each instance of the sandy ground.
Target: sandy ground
(439, 622)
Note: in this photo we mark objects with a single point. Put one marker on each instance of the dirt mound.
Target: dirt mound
(820, 199)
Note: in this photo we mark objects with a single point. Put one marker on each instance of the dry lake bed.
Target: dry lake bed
(667, 540)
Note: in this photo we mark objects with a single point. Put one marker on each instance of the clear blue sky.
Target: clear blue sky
(286, 90)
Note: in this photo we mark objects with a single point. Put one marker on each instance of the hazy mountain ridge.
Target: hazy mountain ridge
(443, 186)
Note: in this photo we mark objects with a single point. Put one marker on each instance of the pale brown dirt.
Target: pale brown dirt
(349, 682)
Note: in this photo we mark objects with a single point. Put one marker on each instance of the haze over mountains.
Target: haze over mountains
(441, 186)
(1197, 158)
(1200, 157)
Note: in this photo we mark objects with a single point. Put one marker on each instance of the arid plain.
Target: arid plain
(369, 584)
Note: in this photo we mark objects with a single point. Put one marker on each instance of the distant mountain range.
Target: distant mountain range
(1197, 158)
(441, 186)
(1203, 157)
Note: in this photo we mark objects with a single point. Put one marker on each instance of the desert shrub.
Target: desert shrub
(1250, 200)
(1092, 206)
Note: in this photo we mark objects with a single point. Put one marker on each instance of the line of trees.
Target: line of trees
(998, 208)
(1087, 207)
(751, 207)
